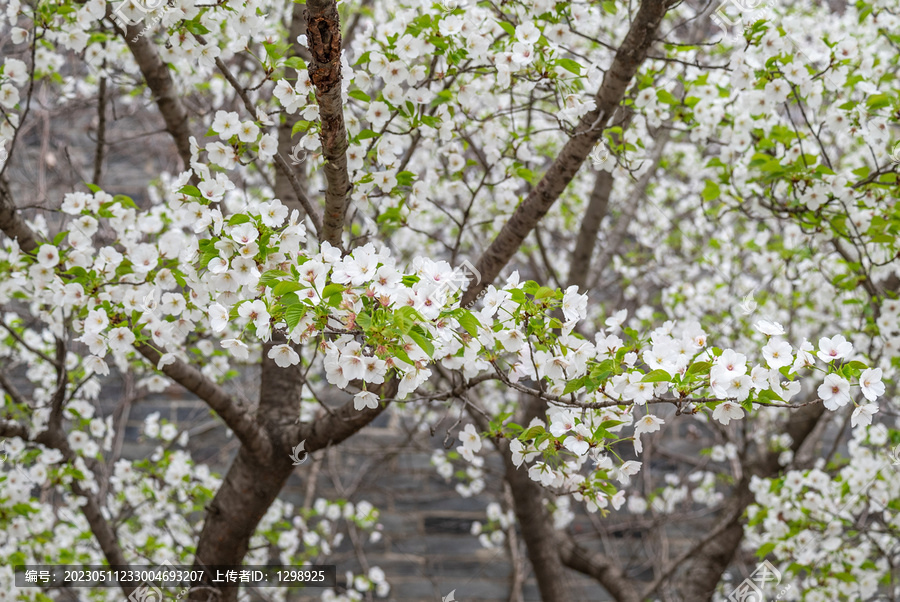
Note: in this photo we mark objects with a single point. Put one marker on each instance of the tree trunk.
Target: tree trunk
(707, 566)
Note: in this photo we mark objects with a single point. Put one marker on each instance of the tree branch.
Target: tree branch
(323, 31)
(160, 82)
(11, 429)
(598, 566)
(580, 266)
(232, 411)
(563, 169)
(710, 560)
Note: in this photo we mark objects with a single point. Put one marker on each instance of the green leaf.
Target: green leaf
(711, 191)
(359, 95)
(191, 191)
(878, 101)
(332, 289)
(768, 395)
(469, 322)
(569, 65)
(268, 277)
(406, 317)
(366, 134)
(573, 385)
(364, 320)
(286, 286)
(765, 550)
(196, 28)
(431, 121)
(300, 126)
(293, 314)
(124, 201)
(657, 376)
(508, 28)
(274, 51)
(295, 63)
(238, 218)
(418, 335)
(699, 368)
(667, 97)
(532, 432)
(544, 292)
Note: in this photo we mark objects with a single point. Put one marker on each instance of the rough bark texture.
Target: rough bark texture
(539, 534)
(253, 481)
(604, 570)
(710, 562)
(628, 58)
(590, 227)
(323, 31)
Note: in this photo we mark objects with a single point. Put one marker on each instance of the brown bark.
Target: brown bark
(538, 533)
(628, 58)
(551, 552)
(597, 207)
(159, 80)
(11, 429)
(323, 31)
(534, 518)
(254, 481)
(603, 569)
